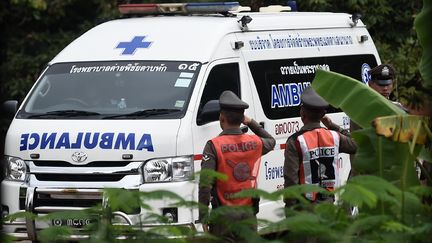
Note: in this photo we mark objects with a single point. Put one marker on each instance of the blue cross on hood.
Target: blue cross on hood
(133, 45)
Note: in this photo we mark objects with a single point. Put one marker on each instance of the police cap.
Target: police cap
(310, 99)
(382, 74)
(230, 101)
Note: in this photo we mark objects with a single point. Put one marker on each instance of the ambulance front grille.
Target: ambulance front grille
(49, 163)
(55, 200)
(101, 171)
(75, 177)
(46, 200)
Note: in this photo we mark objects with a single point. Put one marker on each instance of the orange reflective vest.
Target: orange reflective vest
(238, 157)
(319, 152)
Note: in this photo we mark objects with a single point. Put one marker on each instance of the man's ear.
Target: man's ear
(222, 121)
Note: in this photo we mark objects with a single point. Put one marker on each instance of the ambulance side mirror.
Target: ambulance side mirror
(9, 108)
(209, 112)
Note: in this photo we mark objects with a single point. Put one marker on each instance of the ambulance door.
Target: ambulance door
(220, 76)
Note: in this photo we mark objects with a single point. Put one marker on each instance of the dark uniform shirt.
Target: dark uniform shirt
(209, 160)
(292, 158)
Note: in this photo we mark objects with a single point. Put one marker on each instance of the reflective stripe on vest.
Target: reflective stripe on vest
(238, 157)
(319, 155)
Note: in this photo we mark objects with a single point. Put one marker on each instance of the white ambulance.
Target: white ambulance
(130, 104)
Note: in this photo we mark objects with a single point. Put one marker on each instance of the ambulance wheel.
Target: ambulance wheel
(75, 101)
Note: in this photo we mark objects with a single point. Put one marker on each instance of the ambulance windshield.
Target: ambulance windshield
(112, 90)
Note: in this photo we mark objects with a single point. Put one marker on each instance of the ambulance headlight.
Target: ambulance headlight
(15, 169)
(169, 169)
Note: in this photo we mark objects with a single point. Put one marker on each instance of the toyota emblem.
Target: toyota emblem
(79, 157)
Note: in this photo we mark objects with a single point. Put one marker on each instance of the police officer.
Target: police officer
(238, 156)
(312, 152)
(381, 79)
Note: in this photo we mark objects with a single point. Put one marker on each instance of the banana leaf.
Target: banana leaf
(361, 103)
(380, 156)
(407, 128)
(422, 25)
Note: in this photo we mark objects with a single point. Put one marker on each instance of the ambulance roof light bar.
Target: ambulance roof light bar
(177, 8)
(130, 9)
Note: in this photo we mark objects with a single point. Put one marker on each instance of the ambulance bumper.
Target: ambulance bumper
(27, 228)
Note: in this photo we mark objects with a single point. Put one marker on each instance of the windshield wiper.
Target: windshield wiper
(64, 113)
(144, 113)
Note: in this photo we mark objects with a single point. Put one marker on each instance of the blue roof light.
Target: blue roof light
(212, 7)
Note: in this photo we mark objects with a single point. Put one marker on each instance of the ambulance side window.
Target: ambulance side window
(222, 77)
(279, 83)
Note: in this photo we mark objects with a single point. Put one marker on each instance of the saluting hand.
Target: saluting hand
(326, 121)
(247, 120)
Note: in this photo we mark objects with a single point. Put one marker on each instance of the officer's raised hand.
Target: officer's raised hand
(332, 126)
(327, 121)
(247, 120)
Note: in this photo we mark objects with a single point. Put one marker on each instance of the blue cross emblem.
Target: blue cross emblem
(133, 45)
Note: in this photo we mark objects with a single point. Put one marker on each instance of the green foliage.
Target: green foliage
(55, 234)
(15, 216)
(360, 196)
(382, 157)
(390, 24)
(297, 192)
(208, 177)
(422, 25)
(6, 238)
(387, 213)
(409, 87)
(34, 31)
(406, 128)
(35, 4)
